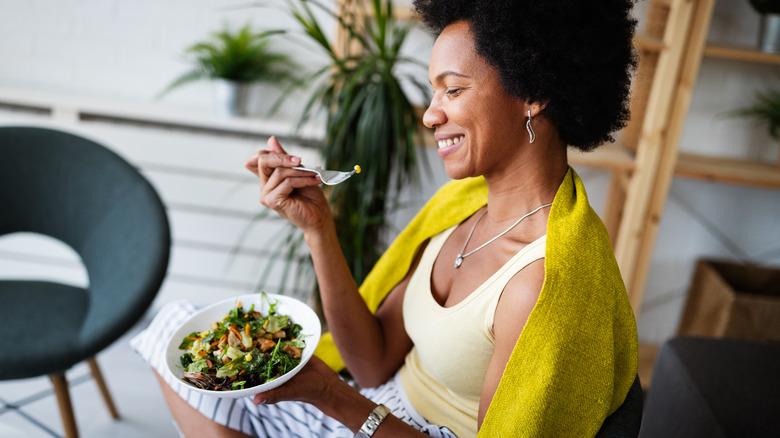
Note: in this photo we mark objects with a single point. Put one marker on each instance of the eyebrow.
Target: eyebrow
(440, 77)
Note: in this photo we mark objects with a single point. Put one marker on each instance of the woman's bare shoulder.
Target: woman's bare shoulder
(518, 300)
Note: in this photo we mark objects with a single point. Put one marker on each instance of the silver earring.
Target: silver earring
(531, 133)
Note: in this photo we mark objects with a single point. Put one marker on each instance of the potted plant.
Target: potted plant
(370, 120)
(234, 61)
(769, 27)
(765, 110)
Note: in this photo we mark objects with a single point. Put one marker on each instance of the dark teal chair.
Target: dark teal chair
(626, 421)
(75, 190)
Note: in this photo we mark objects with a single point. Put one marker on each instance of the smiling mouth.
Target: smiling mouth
(450, 141)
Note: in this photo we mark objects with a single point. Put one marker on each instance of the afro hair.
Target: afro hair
(576, 56)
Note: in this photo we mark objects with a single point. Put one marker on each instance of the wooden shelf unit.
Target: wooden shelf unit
(673, 44)
(645, 162)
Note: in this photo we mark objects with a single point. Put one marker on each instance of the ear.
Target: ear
(535, 108)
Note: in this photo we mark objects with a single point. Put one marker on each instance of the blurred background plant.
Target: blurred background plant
(235, 60)
(365, 93)
(765, 110)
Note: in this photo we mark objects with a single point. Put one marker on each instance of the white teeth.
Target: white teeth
(450, 141)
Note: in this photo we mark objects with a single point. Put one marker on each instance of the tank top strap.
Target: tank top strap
(532, 252)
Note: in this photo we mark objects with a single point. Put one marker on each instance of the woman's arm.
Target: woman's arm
(517, 300)
(372, 346)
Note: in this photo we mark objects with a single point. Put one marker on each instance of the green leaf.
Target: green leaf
(277, 322)
(765, 110)
(187, 342)
(198, 366)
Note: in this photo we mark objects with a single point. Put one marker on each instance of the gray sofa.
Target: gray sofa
(713, 388)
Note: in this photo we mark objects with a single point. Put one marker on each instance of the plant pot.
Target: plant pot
(769, 33)
(231, 98)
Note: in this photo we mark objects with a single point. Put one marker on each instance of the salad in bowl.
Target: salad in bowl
(243, 346)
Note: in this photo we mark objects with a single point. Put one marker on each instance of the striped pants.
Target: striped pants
(284, 419)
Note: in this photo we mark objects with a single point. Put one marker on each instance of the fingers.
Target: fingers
(251, 163)
(275, 146)
(285, 392)
(275, 157)
(268, 162)
(264, 162)
(263, 398)
(315, 380)
(279, 186)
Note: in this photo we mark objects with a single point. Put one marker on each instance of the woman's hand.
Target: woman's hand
(294, 194)
(313, 384)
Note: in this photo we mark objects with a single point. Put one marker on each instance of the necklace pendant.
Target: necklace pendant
(458, 261)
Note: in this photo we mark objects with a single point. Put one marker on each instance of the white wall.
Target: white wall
(125, 50)
(122, 51)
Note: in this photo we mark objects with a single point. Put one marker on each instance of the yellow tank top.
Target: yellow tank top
(443, 373)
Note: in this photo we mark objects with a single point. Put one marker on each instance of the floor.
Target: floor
(29, 409)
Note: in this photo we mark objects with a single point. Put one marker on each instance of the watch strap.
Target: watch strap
(373, 421)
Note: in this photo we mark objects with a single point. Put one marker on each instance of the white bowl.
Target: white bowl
(299, 313)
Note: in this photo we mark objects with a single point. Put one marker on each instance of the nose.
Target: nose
(434, 115)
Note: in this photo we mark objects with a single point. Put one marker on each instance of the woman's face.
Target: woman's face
(479, 127)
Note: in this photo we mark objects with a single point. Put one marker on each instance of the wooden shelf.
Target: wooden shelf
(707, 168)
(611, 156)
(649, 43)
(741, 53)
(729, 170)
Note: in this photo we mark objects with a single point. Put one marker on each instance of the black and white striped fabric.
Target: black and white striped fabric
(285, 419)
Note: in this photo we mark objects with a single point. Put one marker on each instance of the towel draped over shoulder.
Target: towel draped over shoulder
(576, 357)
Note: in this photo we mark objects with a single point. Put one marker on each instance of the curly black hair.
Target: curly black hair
(575, 55)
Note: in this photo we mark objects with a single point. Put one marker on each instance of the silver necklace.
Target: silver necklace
(461, 256)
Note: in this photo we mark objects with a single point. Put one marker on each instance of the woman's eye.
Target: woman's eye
(453, 91)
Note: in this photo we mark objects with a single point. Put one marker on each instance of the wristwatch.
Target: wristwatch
(373, 421)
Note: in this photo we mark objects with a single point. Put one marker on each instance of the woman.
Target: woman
(499, 309)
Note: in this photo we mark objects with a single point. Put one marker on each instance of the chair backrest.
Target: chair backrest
(75, 190)
(625, 422)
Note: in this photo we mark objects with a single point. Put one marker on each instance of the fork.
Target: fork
(329, 177)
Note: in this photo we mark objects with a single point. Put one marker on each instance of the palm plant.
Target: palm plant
(369, 120)
(765, 109)
(243, 56)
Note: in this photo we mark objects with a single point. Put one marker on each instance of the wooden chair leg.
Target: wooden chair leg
(62, 392)
(98, 376)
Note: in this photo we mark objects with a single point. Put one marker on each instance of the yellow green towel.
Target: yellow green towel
(577, 355)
